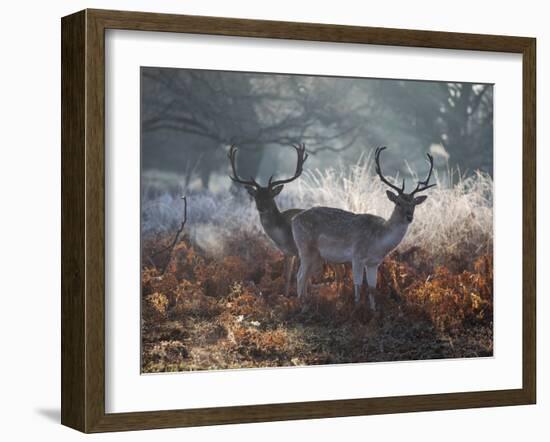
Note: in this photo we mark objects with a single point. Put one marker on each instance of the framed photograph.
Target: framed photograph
(268, 220)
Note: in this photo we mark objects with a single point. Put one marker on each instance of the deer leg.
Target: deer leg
(357, 270)
(338, 277)
(372, 275)
(309, 265)
(285, 273)
(306, 252)
(289, 267)
(303, 276)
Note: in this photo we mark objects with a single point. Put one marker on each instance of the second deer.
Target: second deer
(276, 224)
(339, 236)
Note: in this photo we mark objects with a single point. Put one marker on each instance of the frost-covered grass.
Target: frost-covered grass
(456, 218)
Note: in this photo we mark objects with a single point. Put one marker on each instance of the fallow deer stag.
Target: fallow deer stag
(364, 240)
(275, 223)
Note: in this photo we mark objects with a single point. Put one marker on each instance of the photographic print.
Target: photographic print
(296, 220)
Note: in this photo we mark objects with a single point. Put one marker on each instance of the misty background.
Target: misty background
(190, 117)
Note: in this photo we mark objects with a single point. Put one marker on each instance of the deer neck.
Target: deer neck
(277, 227)
(396, 228)
(270, 216)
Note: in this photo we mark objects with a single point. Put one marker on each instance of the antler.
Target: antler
(423, 185)
(379, 171)
(302, 157)
(235, 178)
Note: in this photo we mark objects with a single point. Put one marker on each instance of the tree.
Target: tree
(459, 116)
(189, 117)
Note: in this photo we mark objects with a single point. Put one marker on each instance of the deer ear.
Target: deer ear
(391, 196)
(251, 191)
(420, 199)
(276, 190)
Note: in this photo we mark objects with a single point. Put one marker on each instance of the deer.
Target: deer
(276, 224)
(339, 236)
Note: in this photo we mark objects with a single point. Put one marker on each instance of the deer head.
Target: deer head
(265, 196)
(405, 203)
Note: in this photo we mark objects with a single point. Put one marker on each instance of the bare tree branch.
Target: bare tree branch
(172, 245)
(477, 100)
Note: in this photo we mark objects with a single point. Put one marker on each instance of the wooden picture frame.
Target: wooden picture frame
(83, 220)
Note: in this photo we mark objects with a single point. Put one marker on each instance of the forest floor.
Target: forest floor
(230, 311)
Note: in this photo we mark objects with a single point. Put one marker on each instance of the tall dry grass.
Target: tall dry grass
(456, 218)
